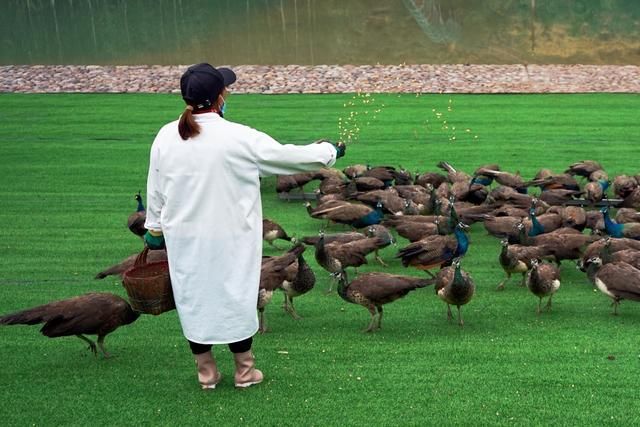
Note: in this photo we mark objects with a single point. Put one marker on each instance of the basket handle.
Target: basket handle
(141, 259)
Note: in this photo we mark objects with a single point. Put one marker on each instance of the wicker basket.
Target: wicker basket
(149, 285)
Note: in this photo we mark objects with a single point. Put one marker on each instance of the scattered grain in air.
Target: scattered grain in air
(283, 352)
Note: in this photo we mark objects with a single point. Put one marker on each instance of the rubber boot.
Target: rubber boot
(208, 374)
(246, 372)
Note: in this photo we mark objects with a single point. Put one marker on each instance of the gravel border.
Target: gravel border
(331, 79)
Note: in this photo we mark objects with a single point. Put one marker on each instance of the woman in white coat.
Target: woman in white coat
(203, 203)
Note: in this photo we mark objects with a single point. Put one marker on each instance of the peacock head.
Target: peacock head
(594, 262)
(504, 242)
(535, 262)
(462, 226)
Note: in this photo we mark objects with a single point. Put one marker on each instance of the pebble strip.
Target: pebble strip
(331, 78)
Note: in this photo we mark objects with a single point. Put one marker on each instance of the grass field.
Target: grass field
(70, 165)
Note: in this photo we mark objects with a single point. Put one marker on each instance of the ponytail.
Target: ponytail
(187, 126)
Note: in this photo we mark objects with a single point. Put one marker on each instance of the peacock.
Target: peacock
(435, 251)
(273, 272)
(583, 168)
(303, 281)
(271, 231)
(543, 281)
(617, 280)
(629, 230)
(595, 191)
(373, 290)
(454, 287)
(136, 220)
(517, 259)
(336, 257)
(355, 215)
(96, 313)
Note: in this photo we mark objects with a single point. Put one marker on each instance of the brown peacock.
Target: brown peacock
(127, 263)
(272, 231)
(89, 314)
(543, 281)
(373, 290)
(274, 271)
(617, 280)
(303, 281)
(517, 259)
(454, 287)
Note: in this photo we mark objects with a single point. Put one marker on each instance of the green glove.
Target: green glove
(154, 241)
(341, 148)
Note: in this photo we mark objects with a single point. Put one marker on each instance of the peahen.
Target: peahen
(454, 287)
(517, 259)
(583, 168)
(617, 280)
(273, 272)
(271, 231)
(595, 191)
(373, 290)
(336, 257)
(303, 281)
(127, 263)
(89, 314)
(543, 281)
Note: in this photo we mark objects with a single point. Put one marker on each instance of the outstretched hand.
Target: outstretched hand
(341, 148)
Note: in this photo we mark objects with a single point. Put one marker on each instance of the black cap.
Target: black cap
(201, 84)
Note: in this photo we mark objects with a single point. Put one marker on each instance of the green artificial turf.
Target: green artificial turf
(71, 164)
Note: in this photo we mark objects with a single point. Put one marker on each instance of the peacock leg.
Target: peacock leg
(380, 260)
(262, 328)
(92, 345)
(615, 307)
(372, 322)
(539, 304)
(460, 320)
(449, 315)
(379, 317)
(524, 279)
(334, 278)
(548, 306)
(291, 309)
(101, 345)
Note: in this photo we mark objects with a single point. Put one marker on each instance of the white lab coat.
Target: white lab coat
(204, 194)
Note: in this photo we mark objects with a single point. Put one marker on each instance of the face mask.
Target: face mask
(223, 109)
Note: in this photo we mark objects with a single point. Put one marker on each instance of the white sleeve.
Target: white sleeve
(274, 158)
(155, 201)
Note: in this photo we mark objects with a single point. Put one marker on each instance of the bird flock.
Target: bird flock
(539, 223)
